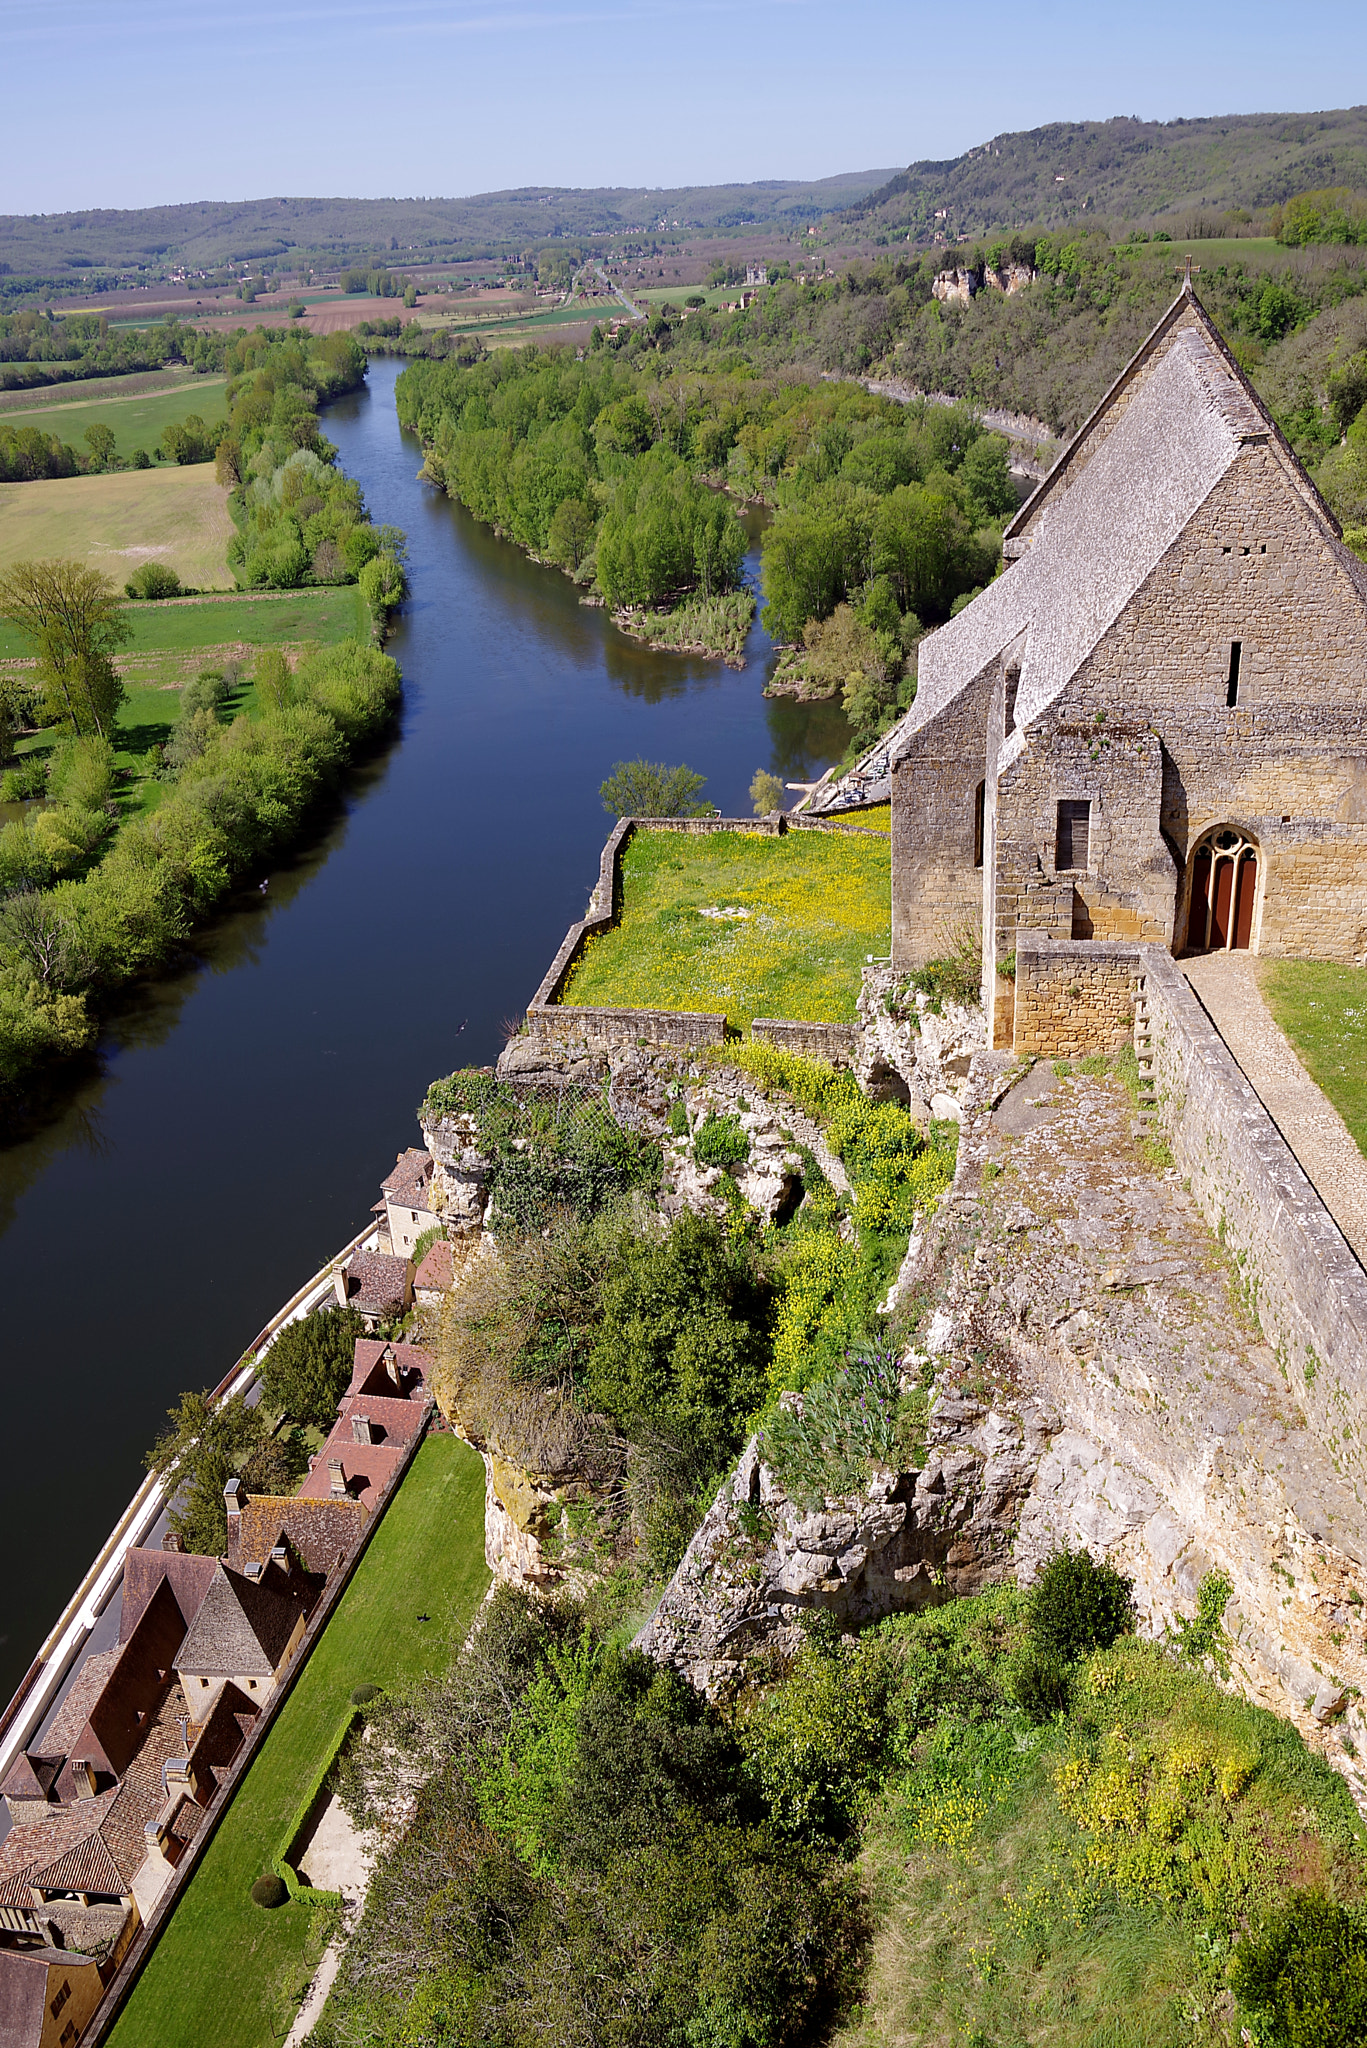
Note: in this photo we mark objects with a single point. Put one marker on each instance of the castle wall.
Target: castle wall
(936, 883)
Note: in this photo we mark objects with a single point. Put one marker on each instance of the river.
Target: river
(234, 1129)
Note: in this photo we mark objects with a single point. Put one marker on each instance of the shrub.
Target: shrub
(766, 793)
(815, 1745)
(362, 1695)
(720, 1141)
(1038, 1684)
(1303, 1978)
(153, 580)
(845, 1425)
(1078, 1605)
(270, 1890)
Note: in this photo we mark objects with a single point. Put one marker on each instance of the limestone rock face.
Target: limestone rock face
(460, 1176)
(913, 1050)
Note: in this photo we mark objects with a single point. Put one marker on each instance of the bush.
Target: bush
(1038, 1684)
(1303, 1979)
(153, 580)
(720, 1141)
(270, 1891)
(648, 789)
(362, 1695)
(1078, 1605)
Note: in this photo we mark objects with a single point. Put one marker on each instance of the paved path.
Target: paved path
(1227, 985)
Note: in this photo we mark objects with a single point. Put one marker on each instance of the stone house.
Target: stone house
(248, 1627)
(48, 1995)
(379, 1287)
(1153, 724)
(406, 1205)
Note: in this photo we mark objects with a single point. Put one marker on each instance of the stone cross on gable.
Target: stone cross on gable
(1193, 269)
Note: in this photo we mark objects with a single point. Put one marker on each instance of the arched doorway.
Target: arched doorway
(1224, 890)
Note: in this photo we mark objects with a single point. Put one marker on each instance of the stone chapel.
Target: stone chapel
(1153, 725)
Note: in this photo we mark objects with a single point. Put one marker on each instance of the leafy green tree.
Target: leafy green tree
(210, 1444)
(274, 678)
(100, 440)
(153, 580)
(985, 474)
(1078, 1605)
(72, 618)
(571, 534)
(305, 1372)
(648, 789)
(766, 793)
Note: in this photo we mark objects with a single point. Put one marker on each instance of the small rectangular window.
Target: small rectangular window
(979, 811)
(1074, 832)
(1236, 649)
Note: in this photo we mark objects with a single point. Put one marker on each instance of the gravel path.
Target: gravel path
(1227, 985)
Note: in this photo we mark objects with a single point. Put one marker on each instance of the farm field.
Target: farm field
(223, 1965)
(800, 916)
(172, 515)
(1322, 1008)
(136, 421)
(84, 390)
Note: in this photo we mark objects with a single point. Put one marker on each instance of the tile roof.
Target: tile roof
(318, 1531)
(40, 1843)
(241, 1627)
(366, 1470)
(74, 1711)
(187, 1574)
(23, 1991)
(435, 1270)
(370, 1373)
(219, 1736)
(376, 1284)
(133, 1689)
(409, 1184)
(391, 1422)
(31, 1777)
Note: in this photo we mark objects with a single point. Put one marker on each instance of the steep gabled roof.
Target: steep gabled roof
(186, 1573)
(319, 1531)
(240, 1628)
(1114, 504)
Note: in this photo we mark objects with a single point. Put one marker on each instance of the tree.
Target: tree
(306, 1370)
(648, 789)
(209, 1445)
(72, 618)
(572, 529)
(101, 443)
(1303, 1978)
(274, 678)
(766, 793)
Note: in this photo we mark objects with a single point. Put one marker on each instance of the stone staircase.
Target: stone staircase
(1146, 1116)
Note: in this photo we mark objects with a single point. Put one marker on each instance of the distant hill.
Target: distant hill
(1126, 169)
(209, 233)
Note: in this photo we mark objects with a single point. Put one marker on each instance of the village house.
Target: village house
(405, 1208)
(248, 1626)
(48, 1995)
(378, 1287)
(434, 1275)
(1153, 725)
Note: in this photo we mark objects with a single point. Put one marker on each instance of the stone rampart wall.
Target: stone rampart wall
(1301, 1278)
(1073, 997)
(836, 1043)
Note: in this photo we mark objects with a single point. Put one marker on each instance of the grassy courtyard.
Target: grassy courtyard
(733, 921)
(178, 516)
(1322, 1008)
(224, 1969)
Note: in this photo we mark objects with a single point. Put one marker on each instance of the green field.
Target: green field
(1221, 249)
(1322, 1008)
(136, 421)
(172, 515)
(816, 904)
(83, 390)
(219, 1971)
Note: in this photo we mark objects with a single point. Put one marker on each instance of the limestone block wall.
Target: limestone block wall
(1302, 1280)
(1073, 997)
(936, 882)
(836, 1043)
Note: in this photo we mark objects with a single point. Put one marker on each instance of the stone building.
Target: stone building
(1153, 725)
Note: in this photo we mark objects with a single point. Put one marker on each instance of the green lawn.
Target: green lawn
(817, 904)
(266, 621)
(82, 390)
(1322, 1009)
(215, 1975)
(137, 422)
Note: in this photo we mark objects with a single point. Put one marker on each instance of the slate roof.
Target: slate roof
(318, 1531)
(409, 1185)
(218, 1737)
(370, 1374)
(1101, 523)
(144, 1570)
(240, 1627)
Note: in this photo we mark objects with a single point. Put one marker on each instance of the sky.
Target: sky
(145, 102)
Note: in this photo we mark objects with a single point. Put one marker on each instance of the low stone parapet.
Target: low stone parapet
(838, 1044)
(1073, 996)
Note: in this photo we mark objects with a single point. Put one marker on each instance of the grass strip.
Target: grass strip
(1322, 1008)
(213, 1976)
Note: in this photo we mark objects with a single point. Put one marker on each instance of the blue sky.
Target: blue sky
(141, 102)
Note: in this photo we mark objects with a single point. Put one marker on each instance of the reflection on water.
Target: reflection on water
(231, 1128)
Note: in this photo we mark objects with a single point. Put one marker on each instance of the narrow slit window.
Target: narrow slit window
(979, 813)
(1236, 650)
(1013, 683)
(1074, 833)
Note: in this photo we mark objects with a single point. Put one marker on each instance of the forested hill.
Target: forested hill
(1126, 169)
(210, 232)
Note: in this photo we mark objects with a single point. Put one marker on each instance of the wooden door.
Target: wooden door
(1243, 905)
(1224, 891)
(1198, 917)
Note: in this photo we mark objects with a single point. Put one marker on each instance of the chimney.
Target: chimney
(170, 1541)
(360, 1429)
(336, 1479)
(232, 1496)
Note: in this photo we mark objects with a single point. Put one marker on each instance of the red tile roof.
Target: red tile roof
(391, 1422)
(435, 1272)
(370, 1374)
(366, 1469)
(318, 1531)
(409, 1184)
(32, 1847)
(376, 1284)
